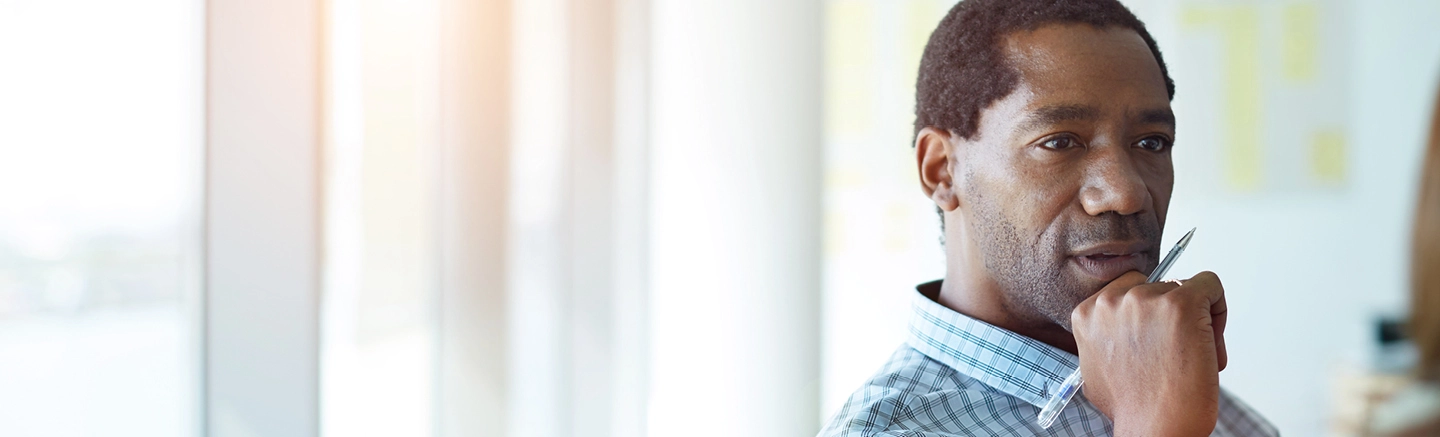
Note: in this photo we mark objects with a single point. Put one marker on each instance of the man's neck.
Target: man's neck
(982, 300)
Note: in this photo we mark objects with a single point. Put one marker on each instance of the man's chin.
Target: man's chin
(1057, 303)
(1071, 292)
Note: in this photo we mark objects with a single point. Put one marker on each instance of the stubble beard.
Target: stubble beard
(1034, 276)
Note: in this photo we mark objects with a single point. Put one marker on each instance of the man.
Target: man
(1043, 134)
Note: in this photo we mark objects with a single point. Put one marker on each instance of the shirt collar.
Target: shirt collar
(1011, 363)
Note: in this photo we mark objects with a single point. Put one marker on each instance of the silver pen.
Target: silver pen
(1073, 383)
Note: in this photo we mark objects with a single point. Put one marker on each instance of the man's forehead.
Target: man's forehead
(1038, 116)
(1079, 71)
(1051, 44)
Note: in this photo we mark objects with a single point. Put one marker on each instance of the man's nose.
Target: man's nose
(1113, 184)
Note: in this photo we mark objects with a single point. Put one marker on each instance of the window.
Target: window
(100, 133)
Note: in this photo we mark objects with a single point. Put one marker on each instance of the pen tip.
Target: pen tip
(1186, 239)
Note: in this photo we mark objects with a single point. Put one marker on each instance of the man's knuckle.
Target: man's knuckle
(1110, 299)
(1137, 296)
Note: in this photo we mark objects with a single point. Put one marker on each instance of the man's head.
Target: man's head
(1043, 133)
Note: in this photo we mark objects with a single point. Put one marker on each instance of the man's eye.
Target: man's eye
(1060, 143)
(1153, 144)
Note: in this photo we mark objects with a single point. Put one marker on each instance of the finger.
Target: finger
(1115, 289)
(1154, 289)
(1220, 356)
(1209, 292)
(1209, 286)
(1127, 280)
(1113, 292)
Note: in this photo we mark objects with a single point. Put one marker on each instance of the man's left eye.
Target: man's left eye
(1153, 144)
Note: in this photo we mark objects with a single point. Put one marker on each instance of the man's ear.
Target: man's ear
(933, 153)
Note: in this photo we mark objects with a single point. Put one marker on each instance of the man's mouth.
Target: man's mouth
(1108, 261)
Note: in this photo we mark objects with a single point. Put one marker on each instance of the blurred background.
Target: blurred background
(618, 217)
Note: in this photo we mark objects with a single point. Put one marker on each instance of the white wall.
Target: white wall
(1306, 271)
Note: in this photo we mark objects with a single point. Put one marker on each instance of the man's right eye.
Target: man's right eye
(1060, 143)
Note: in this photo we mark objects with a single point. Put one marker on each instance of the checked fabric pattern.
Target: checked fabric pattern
(957, 376)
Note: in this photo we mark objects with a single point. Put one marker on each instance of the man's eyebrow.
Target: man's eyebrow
(1158, 116)
(1053, 115)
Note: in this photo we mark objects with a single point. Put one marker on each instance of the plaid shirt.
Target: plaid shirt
(959, 376)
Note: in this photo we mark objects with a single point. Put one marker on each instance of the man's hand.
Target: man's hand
(1152, 353)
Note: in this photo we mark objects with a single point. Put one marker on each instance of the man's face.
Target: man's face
(1066, 183)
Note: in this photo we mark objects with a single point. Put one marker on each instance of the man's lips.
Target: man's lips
(1110, 260)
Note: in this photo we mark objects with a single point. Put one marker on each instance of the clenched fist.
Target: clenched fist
(1152, 353)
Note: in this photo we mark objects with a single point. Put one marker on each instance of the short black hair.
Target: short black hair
(964, 68)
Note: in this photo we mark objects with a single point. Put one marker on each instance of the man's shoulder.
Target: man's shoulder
(901, 395)
(1238, 419)
(912, 373)
(910, 370)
